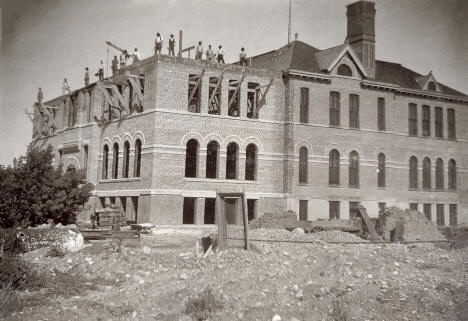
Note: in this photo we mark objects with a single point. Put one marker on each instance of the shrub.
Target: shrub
(33, 191)
(203, 305)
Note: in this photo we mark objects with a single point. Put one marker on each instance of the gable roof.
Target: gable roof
(298, 55)
(328, 58)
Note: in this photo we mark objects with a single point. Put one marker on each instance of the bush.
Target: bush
(203, 305)
(33, 191)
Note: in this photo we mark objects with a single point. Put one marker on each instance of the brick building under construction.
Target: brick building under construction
(314, 131)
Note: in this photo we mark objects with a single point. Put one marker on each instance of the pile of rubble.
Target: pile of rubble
(406, 225)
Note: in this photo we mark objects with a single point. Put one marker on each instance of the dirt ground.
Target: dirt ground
(153, 279)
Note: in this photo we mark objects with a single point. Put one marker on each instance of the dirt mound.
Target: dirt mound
(276, 220)
(406, 225)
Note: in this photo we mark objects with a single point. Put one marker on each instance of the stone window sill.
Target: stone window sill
(119, 180)
(218, 180)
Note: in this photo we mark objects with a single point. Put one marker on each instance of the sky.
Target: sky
(44, 41)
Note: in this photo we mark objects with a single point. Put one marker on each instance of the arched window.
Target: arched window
(303, 164)
(381, 170)
(334, 167)
(344, 70)
(251, 162)
(353, 169)
(452, 175)
(231, 160)
(431, 86)
(71, 169)
(191, 158)
(137, 160)
(439, 176)
(212, 152)
(413, 172)
(426, 173)
(126, 159)
(115, 161)
(105, 161)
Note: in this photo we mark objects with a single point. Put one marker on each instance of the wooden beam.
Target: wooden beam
(235, 92)
(120, 98)
(29, 115)
(215, 91)
(180, 44)
(246, 221)
(105, 93)
(188, 48)
(51, 107)
(136, 85)
(262, 100)
(220, 218)
(194, 90)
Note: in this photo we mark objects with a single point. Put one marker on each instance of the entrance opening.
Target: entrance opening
(209, 217)
(230, 208)
(251, 209)
(135, 208)
(189, 210)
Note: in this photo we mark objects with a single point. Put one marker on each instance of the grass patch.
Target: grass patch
(203, 305)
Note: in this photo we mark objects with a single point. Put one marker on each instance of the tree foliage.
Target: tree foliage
(32, 191)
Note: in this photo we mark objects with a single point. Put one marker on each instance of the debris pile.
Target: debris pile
(406, 225)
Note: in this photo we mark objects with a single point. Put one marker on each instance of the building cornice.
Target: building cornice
(413, 92)
(307, 74)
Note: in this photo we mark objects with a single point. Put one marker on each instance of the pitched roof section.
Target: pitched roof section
(328, 58)
(298, 55)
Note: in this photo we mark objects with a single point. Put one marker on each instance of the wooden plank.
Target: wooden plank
(220, 218)
(215, 91)
(29, 115)
(120, 98)
(235, 92)
(188, 48)
(180, 43)
(246, 221)
(135, 85)
(368, 222)
(105, 93)
(262, 100)
(194, 90)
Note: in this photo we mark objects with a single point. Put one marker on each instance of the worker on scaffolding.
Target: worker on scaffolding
(220, 54)
(65, 86)
(209, 54)
(86, 76)
(40, 96)
(243, 57)
(199, 51)
(171, 45)
(115, 66)
(100, 72)
(158, 44)
(123, 59)
(136, 56)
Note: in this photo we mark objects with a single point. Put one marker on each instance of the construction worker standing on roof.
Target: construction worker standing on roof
(136, 56)
(40, 96)
(209, 54)
(101, 71)
(115, 66)
(123, 59)
(158, 44)
(171, 46)
(86, 77)
(243, 57)
(198, 51)
(220, 54)
(66, 86)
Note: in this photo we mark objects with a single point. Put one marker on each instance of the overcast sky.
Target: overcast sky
(44, 41)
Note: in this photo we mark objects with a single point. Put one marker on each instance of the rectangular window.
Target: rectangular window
(234, 98)
(188, 211)
(382, 207)
(426, 120)
(334, 108)
(194, 93)
(253, 94)
(353, 111)
(334, 209)
(439, 122)
(453, 214)
(353, 210)
(214, 93)
(413, 120)
(303, 207)
(427, 208)
(440, 215)
(85, 159)
(451, 123)
(381, 114)
(304, 105)
(413, 206)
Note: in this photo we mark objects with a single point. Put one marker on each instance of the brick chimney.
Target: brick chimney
(361, 33)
